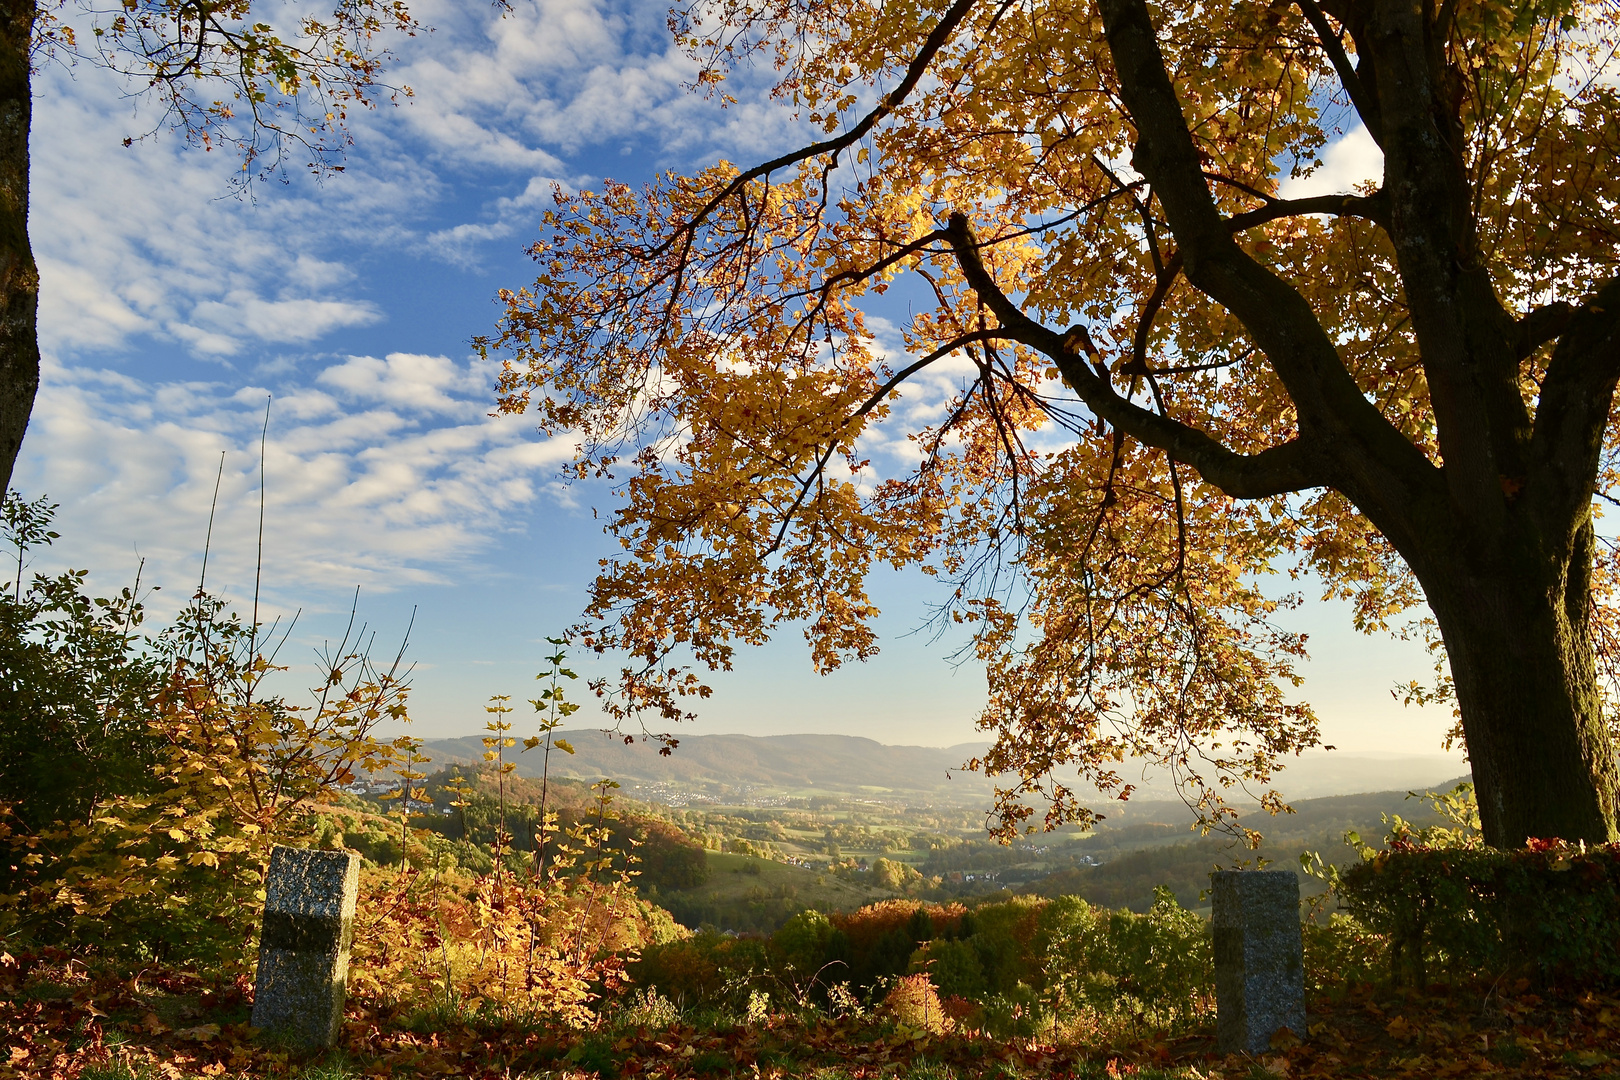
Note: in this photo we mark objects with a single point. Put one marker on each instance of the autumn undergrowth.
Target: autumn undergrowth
(159, 1023)
(159, 768)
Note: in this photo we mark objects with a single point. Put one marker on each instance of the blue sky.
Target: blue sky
(170, 311)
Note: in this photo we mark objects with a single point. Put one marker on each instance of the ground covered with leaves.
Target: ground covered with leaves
(63, 1020)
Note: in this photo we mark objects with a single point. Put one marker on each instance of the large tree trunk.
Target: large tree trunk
(1517, 631)
(1500, 535)
(19, 277)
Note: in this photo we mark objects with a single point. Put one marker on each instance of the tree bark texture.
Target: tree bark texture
(1522, 662)
(1500, 533)
(19, 277)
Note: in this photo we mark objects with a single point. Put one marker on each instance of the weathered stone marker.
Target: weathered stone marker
(1259, 958)
(304, 944)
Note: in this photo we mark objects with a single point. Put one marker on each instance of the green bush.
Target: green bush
(1342, 952)
(954, 968)
(1160, 960)
(1550, 910)
(76, 691)
(1017, 1014)
(801, 947)
(705, 971)
(1003, 936)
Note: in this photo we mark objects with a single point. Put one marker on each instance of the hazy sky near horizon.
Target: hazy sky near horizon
(171, 311)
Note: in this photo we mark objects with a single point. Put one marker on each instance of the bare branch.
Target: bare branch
(1542, 325)
(1374, 208)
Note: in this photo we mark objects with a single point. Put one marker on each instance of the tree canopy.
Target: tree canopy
(1174, 383)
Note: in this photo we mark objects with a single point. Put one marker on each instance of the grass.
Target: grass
(115, 1070)
(732, 879)
(332, 1066)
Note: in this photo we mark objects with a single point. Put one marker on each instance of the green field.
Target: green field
(745, 893)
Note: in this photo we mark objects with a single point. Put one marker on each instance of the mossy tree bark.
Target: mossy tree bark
(1516, 623)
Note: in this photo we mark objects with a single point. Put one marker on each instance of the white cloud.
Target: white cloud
(139, 243)
(424, 383)
(383, 468)
(308, 272)
(458, 245)
(205, 342)
(146, 241)
(1348, 162)
(300, 321)
(379, 497)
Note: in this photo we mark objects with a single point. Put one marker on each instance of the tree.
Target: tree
(1175, 380)
(75, 690)
(280, 91)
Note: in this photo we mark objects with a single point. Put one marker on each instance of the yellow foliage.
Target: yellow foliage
(544, 943)
(521, 947)
(915, 1006)
(1135, 378)
(240, 770)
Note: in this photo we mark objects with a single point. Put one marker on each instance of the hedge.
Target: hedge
(1550, 910)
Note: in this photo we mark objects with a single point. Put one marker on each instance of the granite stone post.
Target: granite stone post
(1259, 958)
(304, 944)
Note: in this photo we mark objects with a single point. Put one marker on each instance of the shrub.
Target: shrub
(1003, 936)
(1550, 910)
(1161, 960)
(545, 945)
(953, 966)
(75, 692)
(647, 1008)
(1342, 952)
(879, 939)
(708, 970)
(1017, 1014)
(914, 1005)
(803, 946)
(175, 866)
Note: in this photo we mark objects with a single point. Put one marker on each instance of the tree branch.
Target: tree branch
(1374, 208)
(1541, 326)
(1279, 469)
(1372, 462)
(932, 44)
(1576, 397)
(1361, 95)
(1278, 318)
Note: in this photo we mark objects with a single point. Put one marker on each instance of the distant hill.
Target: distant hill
(844, 764)
(1148, 844)
(795, 763)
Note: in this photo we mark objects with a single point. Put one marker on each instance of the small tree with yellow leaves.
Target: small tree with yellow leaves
(178, 867)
